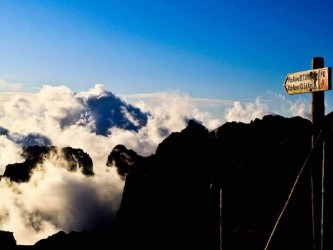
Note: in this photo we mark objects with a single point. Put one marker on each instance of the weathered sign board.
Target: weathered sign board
(308, 81)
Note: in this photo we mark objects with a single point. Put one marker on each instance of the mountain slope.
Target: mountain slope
(171, 199)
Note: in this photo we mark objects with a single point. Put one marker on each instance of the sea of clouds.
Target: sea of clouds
(95, 121)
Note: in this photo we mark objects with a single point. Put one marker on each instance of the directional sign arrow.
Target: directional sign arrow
(308, 81)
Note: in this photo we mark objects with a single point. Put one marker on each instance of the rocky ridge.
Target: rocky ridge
(75, 159)
(171, 199)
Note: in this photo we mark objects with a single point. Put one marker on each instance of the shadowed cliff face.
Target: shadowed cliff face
(7, 240)
(75, 159)
(171, 198)
(125, 159)
(166, 200)
(263, 159)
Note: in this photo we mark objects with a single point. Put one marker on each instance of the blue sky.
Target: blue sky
(228, 57)
(229, 50)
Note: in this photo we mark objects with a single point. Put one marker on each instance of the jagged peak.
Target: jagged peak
(76, 158)
(195, 125)
(274, 122)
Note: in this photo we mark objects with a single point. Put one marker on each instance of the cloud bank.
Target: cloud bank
(247, 112)
(95, 121)
(10, 86)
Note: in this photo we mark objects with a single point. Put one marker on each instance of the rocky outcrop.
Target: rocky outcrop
(262, 161)
(75, 159)
(75, 240)
(78, 159)
(172, 198)
(7, 240)
(124, 160)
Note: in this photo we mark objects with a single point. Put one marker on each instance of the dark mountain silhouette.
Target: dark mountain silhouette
(125, 159)
(75, 158)
(101, 113)
(3, 131)
(31, 139)
(110, 111)
(171, 198)
(7, 240)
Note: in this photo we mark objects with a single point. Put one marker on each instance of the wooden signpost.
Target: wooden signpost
(315, 81)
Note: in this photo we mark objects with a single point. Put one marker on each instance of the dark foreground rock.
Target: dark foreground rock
(75, 159)
(171, 199)
(7, 240)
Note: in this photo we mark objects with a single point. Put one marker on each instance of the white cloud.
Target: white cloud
(197, 108)
(55, 199)
(247, 112)
(288, 106)
(9, 153)
(10, 86)
(157, 97)
(43, 112)
(300, 108)
(52, 199)
(97, 91)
